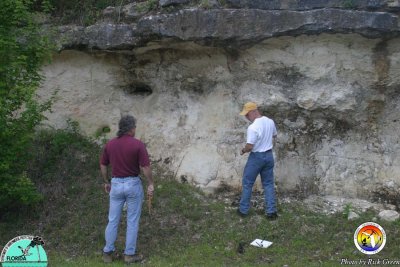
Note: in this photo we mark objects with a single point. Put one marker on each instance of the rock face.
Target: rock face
(315, 4)
(328, 77)
(231, 28)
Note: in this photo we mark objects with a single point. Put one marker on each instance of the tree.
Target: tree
(23, 49)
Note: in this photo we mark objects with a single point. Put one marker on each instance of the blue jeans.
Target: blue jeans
(123, 190)
(259, 163)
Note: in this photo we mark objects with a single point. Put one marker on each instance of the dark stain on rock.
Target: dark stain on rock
(382, 65)
(197, 86)
(182, 120)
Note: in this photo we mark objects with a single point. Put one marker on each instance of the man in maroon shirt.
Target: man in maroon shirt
(127, 156)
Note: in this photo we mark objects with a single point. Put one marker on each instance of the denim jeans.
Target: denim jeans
(259, 163)
(123, 190)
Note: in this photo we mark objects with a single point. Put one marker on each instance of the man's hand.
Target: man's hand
(150, 185)
(150, 190)
(247, 148)
(107, 187)
(104, 173)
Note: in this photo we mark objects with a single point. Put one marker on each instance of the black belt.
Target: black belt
(264, 151)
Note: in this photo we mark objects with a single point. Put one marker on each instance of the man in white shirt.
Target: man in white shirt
(259, 143)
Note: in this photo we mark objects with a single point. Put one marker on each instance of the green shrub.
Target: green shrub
(62, 155)
(222, 2)
(23, 49)
(101, 133)
(346, 211)
(349, 4)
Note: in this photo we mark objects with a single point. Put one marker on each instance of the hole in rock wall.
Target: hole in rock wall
(184, 179)
(138, 88)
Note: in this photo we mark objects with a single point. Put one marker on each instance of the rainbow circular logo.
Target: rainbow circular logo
(370, 238)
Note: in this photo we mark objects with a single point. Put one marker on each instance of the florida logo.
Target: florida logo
(370, 238)
(24, 251)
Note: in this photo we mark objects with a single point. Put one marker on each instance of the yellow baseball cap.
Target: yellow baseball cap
(249, 106)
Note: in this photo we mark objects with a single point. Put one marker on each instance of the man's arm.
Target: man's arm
(150, 184)
(247, 148)
(104, 174)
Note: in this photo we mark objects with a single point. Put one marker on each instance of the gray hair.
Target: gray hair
(126, 123)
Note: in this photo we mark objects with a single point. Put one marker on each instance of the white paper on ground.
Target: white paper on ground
(261, 243)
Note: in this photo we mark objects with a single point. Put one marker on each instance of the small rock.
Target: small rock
(390, 184)
(393, 3)
(196, 237)
(352, 216)
(389, 215)
(214, 3)
(131, 12)
(389, 206)
(109, 11)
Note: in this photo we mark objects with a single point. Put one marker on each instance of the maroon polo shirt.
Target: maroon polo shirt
(126, 155)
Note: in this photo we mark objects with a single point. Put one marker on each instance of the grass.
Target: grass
(186, 227)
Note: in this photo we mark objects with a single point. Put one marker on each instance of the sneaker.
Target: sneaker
(133, 258)
(107, 257)
(272, 216)
(241, 214)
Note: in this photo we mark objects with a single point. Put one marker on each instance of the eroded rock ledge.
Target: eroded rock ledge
(230, 28)
(371, 5)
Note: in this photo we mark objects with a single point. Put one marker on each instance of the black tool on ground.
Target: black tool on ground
(240, 248)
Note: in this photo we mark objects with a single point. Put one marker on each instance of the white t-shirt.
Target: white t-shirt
(260, 134)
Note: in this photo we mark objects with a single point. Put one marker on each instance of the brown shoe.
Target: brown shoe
(133, 258)
(107, 257)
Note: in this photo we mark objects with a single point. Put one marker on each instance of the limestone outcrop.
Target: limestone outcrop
(370, 5)
(327, 74)
(229, 28)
